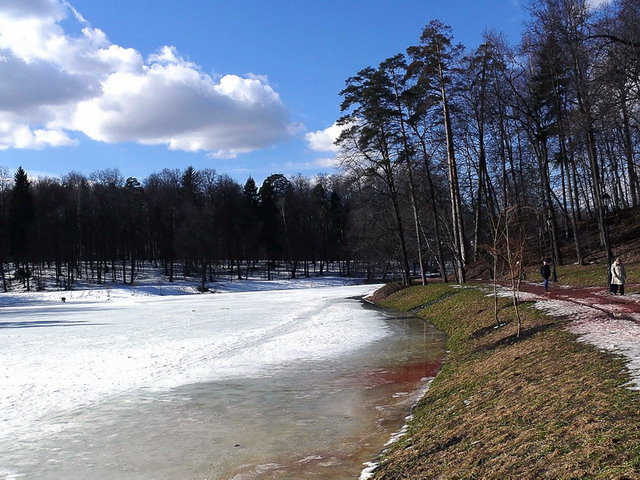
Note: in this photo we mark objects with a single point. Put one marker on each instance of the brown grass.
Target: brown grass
(538, 406)
(595, 275)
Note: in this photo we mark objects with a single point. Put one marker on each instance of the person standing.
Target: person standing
(618, 277)
(545, 271)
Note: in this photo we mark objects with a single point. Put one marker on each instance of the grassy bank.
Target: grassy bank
(541, 406)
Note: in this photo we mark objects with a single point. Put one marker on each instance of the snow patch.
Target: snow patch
(596, 319)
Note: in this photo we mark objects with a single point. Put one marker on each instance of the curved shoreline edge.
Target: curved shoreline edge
(370, 467)
(541, 405)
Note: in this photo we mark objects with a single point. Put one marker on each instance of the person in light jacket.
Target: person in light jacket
(618, 277)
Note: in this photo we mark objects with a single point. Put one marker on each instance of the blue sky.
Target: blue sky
(246, 87)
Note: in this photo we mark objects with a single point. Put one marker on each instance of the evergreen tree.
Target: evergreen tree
(20, 217)
(434, 63)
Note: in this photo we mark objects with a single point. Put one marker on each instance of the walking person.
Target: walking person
(545, 271)
(618, 277)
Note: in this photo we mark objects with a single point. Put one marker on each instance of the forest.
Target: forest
(448, 157)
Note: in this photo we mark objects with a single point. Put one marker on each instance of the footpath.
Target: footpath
(610, 322)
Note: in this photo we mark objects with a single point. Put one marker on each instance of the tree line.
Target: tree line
(105, 227)
(449, 156)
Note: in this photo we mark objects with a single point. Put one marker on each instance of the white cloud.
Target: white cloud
(598, 3)
(326, 162)
(53, 83)
(13, 135)
(32, 8)
(324, 140)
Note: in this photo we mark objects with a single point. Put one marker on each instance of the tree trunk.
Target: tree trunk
(454, 187)
(628, 154)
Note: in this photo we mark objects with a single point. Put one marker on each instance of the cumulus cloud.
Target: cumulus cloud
(53, 84)
(324, 140)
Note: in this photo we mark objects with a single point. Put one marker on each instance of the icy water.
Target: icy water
(319, 418)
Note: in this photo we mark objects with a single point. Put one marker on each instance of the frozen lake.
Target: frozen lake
(264, 384)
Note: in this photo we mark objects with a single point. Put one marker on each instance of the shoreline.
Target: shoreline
(370, 467)
(545, 405)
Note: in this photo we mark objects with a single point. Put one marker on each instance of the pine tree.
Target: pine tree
(20, 219)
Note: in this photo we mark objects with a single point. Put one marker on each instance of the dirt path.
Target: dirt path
(610, 322)
(597, 298)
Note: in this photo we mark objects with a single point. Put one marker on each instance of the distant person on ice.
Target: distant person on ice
(618, 276)
(545, 271)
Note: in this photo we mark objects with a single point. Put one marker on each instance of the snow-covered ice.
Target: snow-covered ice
(157, 381)
(100, 343)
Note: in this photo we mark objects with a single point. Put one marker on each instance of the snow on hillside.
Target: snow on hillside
(609, 322)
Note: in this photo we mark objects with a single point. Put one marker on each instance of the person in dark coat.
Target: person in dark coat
(545, 271)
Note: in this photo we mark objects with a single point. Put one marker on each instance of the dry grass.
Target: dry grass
(541, 406)
(594, 275)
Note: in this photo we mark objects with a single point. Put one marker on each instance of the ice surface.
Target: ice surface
(102, 343)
